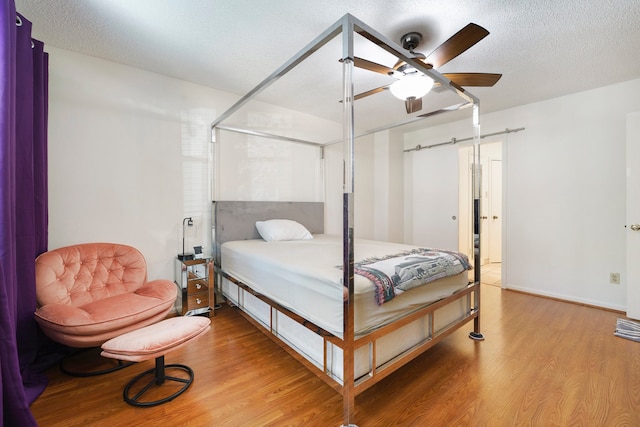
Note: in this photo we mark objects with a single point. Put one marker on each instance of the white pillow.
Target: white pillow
(274, 230)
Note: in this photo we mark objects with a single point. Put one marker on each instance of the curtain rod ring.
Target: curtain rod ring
(18, 21)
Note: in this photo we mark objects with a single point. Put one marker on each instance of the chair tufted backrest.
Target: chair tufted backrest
(80, 274)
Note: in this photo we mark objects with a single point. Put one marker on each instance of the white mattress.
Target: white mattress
(303, 276)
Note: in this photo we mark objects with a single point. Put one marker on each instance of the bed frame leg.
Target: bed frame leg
(476, 336)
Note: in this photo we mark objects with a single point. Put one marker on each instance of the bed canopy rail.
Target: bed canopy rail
(360, 134)
(267, 135)
(352, 126)
(349, 25)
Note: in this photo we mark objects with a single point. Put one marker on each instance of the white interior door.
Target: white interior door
(495, 210)
(633, 215)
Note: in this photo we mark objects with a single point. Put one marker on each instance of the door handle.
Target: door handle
(495, 217)
(483, 217)
(635, 227)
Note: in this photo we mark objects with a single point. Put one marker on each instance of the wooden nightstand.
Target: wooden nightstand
(194, 278)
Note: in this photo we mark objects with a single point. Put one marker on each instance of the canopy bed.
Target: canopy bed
(335, 317)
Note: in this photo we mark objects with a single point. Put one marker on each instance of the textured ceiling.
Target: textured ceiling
(543, 48)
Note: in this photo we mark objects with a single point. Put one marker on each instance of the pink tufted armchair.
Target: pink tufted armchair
(90, 293)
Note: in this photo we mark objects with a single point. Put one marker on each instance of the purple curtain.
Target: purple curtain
(23, 210)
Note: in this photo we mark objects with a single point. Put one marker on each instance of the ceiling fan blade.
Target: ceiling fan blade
(370, 92)
(373, 66)
(473, 79)
(413, 105)
(458, 43)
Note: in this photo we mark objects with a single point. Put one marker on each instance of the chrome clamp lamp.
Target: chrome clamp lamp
(186, 222)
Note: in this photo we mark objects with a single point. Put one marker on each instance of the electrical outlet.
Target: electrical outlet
(614, 278)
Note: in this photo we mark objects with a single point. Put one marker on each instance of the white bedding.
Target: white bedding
(302, 276)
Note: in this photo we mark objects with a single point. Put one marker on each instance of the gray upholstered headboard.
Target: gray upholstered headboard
(236, 220)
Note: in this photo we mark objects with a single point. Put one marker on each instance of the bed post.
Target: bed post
(476, 184)
(348, 135)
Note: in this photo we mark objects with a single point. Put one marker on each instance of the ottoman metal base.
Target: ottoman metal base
(158, 378)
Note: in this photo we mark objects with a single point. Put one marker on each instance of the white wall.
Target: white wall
(387, 186)
(130, 156)
(564, 191)
(364, 195)
(116, 137)
(379, 184)
(120, 138)
(262, 169)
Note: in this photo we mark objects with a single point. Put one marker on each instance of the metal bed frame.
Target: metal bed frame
(348, 26)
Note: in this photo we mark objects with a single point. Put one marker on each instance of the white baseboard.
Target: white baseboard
(567, 298)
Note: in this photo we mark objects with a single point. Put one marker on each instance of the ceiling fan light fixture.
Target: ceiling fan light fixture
(411, 86)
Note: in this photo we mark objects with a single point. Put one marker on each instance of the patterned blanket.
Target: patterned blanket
(394, 274)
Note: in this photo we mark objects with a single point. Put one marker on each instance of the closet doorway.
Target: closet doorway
(491, 211)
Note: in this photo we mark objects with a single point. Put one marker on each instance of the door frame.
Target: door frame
(633, 215)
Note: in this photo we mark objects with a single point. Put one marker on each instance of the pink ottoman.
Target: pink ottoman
(153, 342)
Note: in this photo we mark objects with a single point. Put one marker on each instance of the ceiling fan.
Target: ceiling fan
(412, 85)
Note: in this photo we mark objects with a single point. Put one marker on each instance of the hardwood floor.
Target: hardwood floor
(492, 274)
(543, 363)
